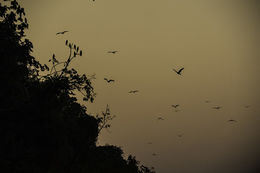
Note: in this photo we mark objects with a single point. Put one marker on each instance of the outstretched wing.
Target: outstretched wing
(111, 80)
(106, 79)
(175, 70)
(180, 70)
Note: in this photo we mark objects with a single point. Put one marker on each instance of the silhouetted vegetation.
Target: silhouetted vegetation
(42, 126)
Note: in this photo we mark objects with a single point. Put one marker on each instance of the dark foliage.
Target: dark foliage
(43, 128)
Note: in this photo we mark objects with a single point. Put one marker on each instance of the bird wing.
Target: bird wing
(180, 70)
(106, 79)
(175, 70)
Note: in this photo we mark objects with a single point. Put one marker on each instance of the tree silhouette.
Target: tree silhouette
(43, 128)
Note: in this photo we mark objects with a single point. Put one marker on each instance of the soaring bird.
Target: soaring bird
(216, 107)
(175, 106)
(160, 118)
(179, 71)
(109, 80)
(63, 32)
(247, 106)
(207, 101)
(133, 91)
(154, 154)
(180, 135)
(149, 142)
(113, 51)
(231, 120)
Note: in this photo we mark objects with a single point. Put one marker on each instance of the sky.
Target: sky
(217, 43)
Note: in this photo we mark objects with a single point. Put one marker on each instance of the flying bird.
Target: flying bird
(160, 118)
(216, 107)
(179, 71)
(149, 142)
(247, 106)
(113, 51)
(180, 135)
(133, 91)
(63, 32)
(231, 120)
(154, 154)
(207, 101)
(109, 80)
(175, 106)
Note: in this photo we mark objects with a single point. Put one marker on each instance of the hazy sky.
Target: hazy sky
(216, 41)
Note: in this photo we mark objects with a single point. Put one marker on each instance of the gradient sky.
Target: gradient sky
(216, 41)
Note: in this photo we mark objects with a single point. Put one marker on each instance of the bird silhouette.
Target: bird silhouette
(179, 71)
(133, 91)
(175, 106)
(207, 101)
(154, 154)
(160, 118)
(63, 32)
(113, 51)
(149, 142)
(216, 107)
(247, 106)
(180, 135)
(231, 120)
(109, 80)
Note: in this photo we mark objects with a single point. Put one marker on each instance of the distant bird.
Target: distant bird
(179, 71)
(177, 110)
(247, 106)
(216, 107)
(180, 135)
(133, 91)
(231, 120)
(154, 154)
(175, 106)
(109, 80)
(113, 51)
(149, 142)
(207, 101)
(160, 118)
(63, 32)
